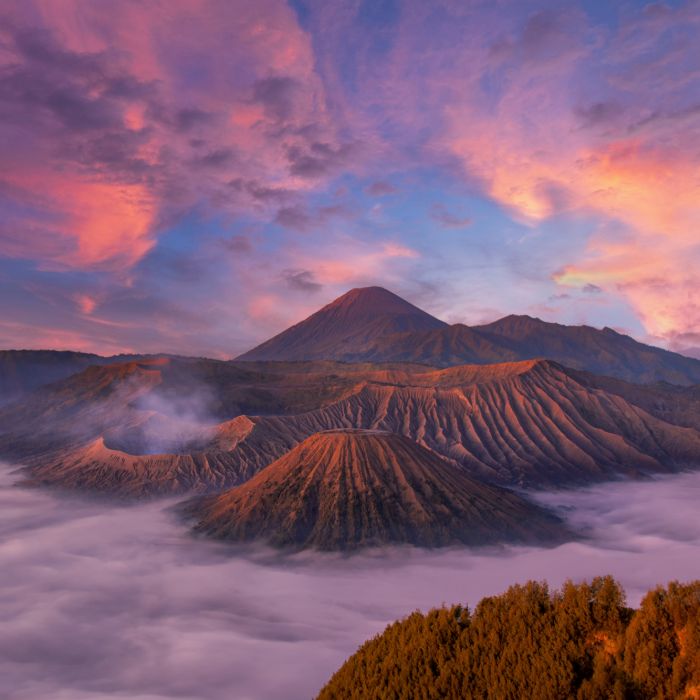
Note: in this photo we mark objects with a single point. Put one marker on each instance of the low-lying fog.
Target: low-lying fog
(100, 601)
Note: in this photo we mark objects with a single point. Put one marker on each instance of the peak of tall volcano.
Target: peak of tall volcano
(344, 489)
(375, 325)
(345, 327)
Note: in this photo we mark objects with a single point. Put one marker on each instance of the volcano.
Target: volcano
(524, 424)
(375, 325)
(346, 327)
(345, 489)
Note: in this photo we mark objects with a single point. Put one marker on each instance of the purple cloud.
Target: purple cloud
(439, 213)
(301, 281)
(191, 618)
(123, 137)
(381, 188)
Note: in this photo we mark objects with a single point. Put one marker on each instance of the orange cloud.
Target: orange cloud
(656, 195)
(161, 111)
(102, 224)
(350, 263)
(534, 153)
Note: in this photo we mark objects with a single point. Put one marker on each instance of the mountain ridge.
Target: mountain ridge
(392, 330)
(532, 423)
(377, 338)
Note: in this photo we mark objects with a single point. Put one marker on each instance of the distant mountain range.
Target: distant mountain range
(374, 325)
(455, 414)
(23, 371)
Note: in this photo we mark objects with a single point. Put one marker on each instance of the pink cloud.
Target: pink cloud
(124, 120)
(86, 303)
(350, 263)
(15, 335)
(121, 125)
(584, 121)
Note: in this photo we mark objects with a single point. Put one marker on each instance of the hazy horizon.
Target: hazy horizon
(689, 352)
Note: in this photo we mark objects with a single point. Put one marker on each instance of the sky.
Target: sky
(193, 176)
(101, 601)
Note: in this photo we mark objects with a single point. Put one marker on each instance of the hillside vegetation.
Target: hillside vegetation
(579, 642)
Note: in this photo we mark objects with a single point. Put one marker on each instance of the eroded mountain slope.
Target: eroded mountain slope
(344, 489)
(528, 423)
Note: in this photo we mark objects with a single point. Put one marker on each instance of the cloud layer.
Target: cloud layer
(170, 169)
(100, 602)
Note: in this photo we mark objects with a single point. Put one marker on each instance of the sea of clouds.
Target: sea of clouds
(102, 601)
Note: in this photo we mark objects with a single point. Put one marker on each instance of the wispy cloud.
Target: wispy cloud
(131, 131)
(115, 121)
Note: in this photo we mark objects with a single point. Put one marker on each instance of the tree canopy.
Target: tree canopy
(581, 641)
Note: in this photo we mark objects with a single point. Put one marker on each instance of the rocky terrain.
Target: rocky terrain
(531, 423)
(136, 427)
(344, 489)
(344, 326)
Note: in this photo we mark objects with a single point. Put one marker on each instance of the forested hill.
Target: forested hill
(580, 642)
